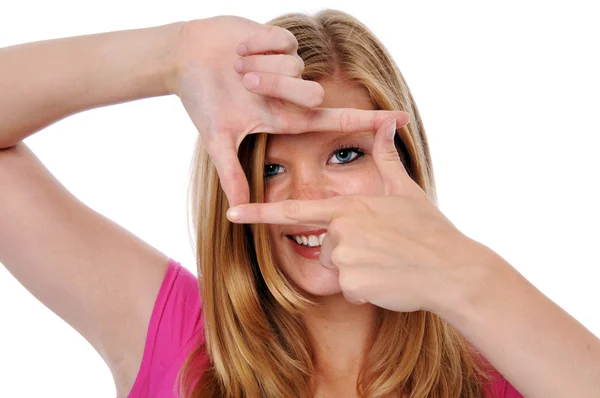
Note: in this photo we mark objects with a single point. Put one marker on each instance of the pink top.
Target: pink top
(176, 328)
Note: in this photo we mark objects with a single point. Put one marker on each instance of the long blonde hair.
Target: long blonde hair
(256, 343)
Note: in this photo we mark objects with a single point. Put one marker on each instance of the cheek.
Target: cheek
(273, 231)
(279, 188)
(273, 192)
(362, 181)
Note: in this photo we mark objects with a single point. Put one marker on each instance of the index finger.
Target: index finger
(345, 120)
(287, 212)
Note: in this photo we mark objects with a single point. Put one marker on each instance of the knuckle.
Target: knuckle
(356, 203)
(296, 66)
(281, 38)
(352, 285)
(299, 65)
(318, 95)
(346, 121)
(291, 209)
(247, 63)
(270, 28)
(334, 227)
(390, 155)
(348, 282)
(339, 257)
(290, 41)
(291, 66)
(271, 85)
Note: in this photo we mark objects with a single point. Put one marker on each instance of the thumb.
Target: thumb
(231, 175)
(387, 160)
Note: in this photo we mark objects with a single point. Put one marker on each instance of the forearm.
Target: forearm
(534, 343)
(45, 81)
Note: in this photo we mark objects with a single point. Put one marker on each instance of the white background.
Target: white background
(509, 98)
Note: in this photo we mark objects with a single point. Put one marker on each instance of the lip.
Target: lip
(311, 253)
(305, 232)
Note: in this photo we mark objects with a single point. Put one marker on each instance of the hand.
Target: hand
(396, 251)
(225, 106)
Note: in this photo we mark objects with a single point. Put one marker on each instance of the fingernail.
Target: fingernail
(391, 129)
(242, 49)
(251, 80)
(239, 65)
(233, 214)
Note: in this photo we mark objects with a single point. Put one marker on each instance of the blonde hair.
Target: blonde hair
(256, 343)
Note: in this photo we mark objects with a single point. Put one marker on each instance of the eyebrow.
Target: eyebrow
(334, 142)
(347, 136)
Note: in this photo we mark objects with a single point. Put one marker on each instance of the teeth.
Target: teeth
(311, 240)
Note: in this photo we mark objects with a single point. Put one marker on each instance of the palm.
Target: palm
(219, 105)
(224, 110)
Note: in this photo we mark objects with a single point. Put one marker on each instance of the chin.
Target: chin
(311, 277)
(319, 289)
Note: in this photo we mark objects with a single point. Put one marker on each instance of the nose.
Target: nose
(309, 183)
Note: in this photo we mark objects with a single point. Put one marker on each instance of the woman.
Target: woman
(277, 321)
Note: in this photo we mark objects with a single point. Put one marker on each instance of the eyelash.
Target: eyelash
(342, 147)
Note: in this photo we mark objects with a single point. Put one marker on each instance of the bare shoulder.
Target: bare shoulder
(97, 276)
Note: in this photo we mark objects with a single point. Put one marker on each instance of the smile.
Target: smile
(308, 240)
(307, 243)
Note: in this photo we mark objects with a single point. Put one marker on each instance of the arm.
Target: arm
(425, 263)
(538, 347)
(95, 275)
(45, 81)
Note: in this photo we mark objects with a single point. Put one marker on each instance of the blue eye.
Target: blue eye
(272, 170)
(346, 155)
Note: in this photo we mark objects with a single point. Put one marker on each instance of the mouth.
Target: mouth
(308, 240)
(307, 244)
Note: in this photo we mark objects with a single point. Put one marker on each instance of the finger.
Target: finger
(350, 286)
(326, 251)
(287, 212)
(231, 175)
(304, 93)
(388, 161)
(347, 120)
(354, 298)
(280, 64)
(272, 39)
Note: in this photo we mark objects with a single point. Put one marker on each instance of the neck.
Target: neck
(339, 332)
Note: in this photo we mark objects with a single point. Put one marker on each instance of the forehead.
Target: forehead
(345, 95)
(337, 95)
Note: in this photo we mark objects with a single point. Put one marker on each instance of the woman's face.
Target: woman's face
(318, 165)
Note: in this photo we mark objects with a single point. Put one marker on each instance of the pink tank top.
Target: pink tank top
(176, 328)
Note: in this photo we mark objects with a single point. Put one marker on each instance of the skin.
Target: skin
(396, 250)
(98, 277)
(72, 258)
(339, 328)
(223, 104)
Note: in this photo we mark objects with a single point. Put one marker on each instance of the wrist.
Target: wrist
(479, 271)
(168, 50)
(188, 50)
